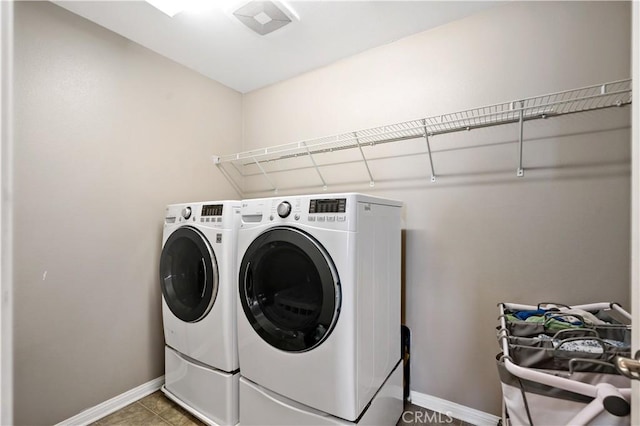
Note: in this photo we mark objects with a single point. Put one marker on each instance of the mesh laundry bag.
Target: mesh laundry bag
(531, 403)
(588, 354)
(554, 323)
(543, 360)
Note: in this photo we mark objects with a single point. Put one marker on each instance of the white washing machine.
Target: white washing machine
(319, 307)
(199, 298)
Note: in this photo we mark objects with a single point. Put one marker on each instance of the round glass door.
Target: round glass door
(188, 274)
(289, 289)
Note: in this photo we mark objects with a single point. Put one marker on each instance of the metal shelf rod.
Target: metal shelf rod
(520, 172)
(237, 169)
(313, 161)
(227, 175)
(426, 138)
(266, 176)
(233, 183)
(366, 163)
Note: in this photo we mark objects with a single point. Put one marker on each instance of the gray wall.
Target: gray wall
(107, 133)
(480, 235)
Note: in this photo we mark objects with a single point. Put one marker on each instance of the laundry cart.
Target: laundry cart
(557, 364)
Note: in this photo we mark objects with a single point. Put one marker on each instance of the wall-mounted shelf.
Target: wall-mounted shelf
(612, 94)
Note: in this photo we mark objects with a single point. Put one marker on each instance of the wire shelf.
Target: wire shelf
(612, 94)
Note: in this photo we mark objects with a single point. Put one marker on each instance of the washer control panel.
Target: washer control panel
(211, 213)
(218, 215)
(325, 212)
(212, 210)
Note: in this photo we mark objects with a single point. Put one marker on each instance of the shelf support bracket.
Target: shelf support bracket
(366, 163)
(233, 183)
(520, 172)
(227, 175)
(237, 169)
(313, 161)
(426, 138)
(266, 176)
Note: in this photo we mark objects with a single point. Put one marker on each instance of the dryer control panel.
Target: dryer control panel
(331, 205)
(212, 210)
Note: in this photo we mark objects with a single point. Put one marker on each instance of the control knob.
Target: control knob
(284, 208)
(186, 213)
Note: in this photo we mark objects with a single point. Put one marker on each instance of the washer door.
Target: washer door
(289, 289)
(188, 274)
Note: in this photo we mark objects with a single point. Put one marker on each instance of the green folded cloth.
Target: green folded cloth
(550, 323)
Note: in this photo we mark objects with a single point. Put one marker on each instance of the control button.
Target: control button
(284, 209)
(312, 218)
(321, 219)
(271, 217)
(331, 218)
(218, 219)
(341, 218)
(297, 216)
(201, 220)
(186, 212)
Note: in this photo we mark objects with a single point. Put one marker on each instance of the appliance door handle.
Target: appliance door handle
(204, 269)
(248, 279)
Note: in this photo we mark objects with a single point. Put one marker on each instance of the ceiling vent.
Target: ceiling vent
(264, 17)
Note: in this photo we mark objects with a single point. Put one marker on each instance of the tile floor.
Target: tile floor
(152, 410)
(157, 410)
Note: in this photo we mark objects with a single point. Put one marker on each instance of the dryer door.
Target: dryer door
(188, 274)
(289, 289)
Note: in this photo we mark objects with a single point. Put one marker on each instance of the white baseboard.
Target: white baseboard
(92, 414)
(458, 411)
(461, 412)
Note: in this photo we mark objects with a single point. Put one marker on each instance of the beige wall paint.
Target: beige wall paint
(480, 235)
(107, 133)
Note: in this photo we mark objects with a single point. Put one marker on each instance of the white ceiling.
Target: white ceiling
(216, 45)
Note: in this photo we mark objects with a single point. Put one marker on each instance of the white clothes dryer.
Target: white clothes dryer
(199, 287)
(319, 299)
